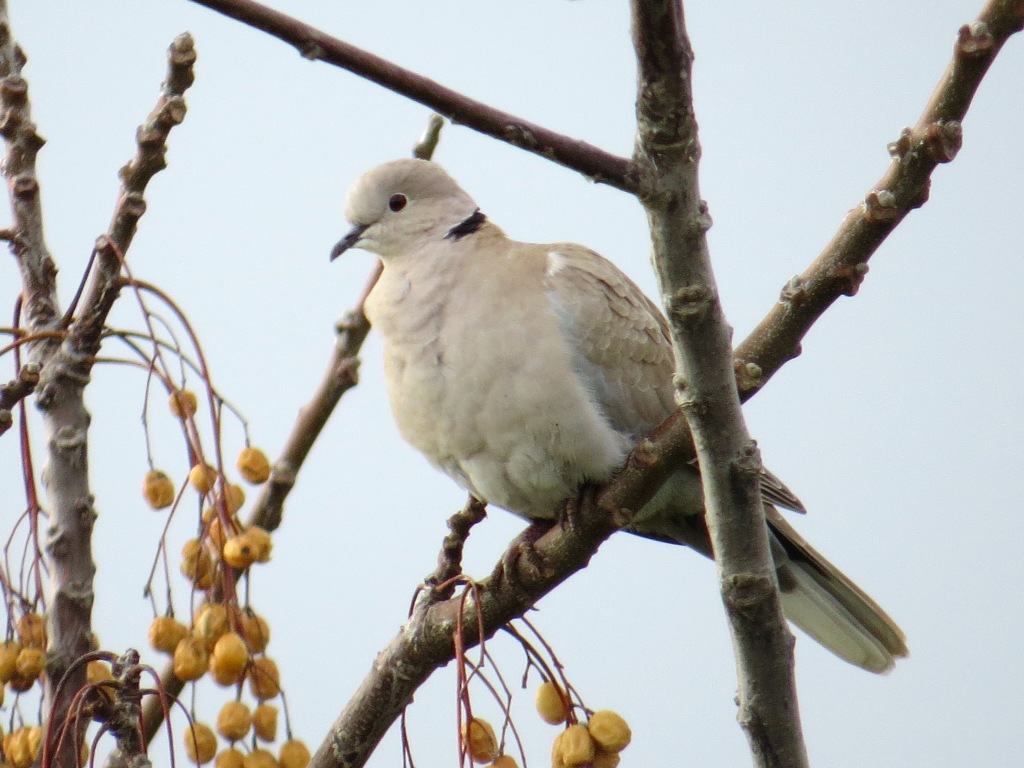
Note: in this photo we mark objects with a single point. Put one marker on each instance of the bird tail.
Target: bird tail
(828, 606)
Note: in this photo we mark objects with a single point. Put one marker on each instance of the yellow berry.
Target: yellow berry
(210, 624)
(229, 659)
(165, 633)
(30, 663)
(260, 540)
(234, 497)
(481, 743)
(200, 743)
(16, 748)
(264, 679)
(230, 758)
(197, 563)
(264, 722)
(551, 704)
(260, 758)
(609, 731)
(97, 672)
(253, 465)
(21, 683)
(234, 721)
(158, 489)
(574, 746)
(9, 651)
(294, 754)
(504, 761)
(202, 477)
(183, 403)
(239, 551)
(255, 631)
(190, 659)
(32, 630)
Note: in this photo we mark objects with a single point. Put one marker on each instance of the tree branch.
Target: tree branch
(314, 44)
(64, 366)
(842, 265)
(667, 153)
(86, 330)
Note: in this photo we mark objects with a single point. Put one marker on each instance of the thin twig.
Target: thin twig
(842, 265)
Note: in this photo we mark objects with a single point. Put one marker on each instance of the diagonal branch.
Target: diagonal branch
(842, 265)
(150, 158)
(312, 43)
(667, 154)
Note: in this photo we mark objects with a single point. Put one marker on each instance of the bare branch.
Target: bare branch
(64, 366)
(151, 140)
(16, 390)
(70, 595)
(312, 43)
(38, 273)
(667, 154)
(840, 268)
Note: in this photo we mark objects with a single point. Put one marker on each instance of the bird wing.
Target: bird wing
(618, 338)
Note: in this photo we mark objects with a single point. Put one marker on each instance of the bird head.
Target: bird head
(400, 204)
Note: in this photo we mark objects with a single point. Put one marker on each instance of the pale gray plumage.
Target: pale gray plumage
(524, 370)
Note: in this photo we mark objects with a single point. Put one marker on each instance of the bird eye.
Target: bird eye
(397, 202)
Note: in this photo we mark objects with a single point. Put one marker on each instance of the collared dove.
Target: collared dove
(523, 371)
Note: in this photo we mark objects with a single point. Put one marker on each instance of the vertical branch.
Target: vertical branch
(38, 273)
(666, 156)
(64, 366)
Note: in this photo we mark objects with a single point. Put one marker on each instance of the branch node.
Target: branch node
(347, 371)
(879, 206)
(69, 439)
(14, 90)
(173, 111)
(25, 186)
(745, 591)
(133, 204)
(310, 49)
(902, 145)
(974, 39)
(749, 376)
(850, 278)
(942, 140)
(690, 301)
(794, 292)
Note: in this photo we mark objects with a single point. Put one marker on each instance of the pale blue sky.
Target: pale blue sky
(899, 427)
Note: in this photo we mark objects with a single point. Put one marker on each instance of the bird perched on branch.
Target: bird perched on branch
(523, 371)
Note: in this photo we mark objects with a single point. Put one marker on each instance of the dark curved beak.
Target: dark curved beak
(348, 240)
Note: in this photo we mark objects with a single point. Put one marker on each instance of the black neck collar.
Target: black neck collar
(467, 226)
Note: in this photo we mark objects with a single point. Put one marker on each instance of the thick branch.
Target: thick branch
(667, 153)
(312, 43)
(69, 594)
(841, 266)
(64, 366)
